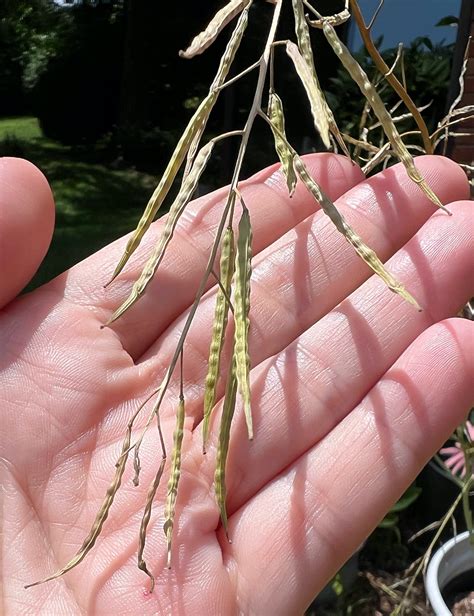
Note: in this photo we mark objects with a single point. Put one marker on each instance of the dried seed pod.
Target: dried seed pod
(104, 510)
(223, 444)
(327, 121)
(190, 138)
(366, 253)
(335, 20)
(313, 91)
(175, 474)
(243, 270)
(203, 40)
(177, 208)
(150, 497)
(373, 98)
(219, 79)
(277, 117)
(221, 312)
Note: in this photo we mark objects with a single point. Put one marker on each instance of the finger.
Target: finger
(312, 268)
(175, 284)
(310, 519)
(302, 393)
(26, 224)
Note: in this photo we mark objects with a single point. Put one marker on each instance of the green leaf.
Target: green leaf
(337, 585)
(449, 20)
(389, 521)
(406, 500)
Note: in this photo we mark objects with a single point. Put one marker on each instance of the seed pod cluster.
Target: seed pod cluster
(366, 253)
(177, 208)
(188, 139)
(322, 115)
(368, 90)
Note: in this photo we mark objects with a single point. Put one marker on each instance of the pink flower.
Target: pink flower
(454, 456)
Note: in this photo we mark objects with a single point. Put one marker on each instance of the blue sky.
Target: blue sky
(403, 20)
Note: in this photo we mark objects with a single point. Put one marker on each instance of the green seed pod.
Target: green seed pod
(313, 91)
(104, 510)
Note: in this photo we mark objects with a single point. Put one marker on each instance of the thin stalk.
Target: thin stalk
(390, 77)
(228, 210)
(247, 70)
(447, 517)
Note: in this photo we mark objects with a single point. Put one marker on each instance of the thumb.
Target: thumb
(26, 224)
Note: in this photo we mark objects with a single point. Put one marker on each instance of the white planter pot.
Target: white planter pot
(454, 558)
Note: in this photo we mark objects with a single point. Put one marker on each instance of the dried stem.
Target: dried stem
(390, 77)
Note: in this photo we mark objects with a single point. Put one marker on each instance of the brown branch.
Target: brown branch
(390, 77)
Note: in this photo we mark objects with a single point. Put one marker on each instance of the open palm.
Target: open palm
(352, 392)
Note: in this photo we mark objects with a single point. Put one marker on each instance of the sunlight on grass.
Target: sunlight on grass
(94, 203)
(20, 128)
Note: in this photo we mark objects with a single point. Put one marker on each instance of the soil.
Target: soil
(464, 605)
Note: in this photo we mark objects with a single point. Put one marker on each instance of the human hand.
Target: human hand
(353, 391)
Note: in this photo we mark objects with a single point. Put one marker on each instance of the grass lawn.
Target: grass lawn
(94, 203)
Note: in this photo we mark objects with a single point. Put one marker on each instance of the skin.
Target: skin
(352, 392)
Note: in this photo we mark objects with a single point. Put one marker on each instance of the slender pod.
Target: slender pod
(243, 270)
(219, 79)
(177, 208)
(175, 475)
(322, 114)
(366, 253)
(194, 128)
(104, 510)
(223, 444)
(221, 312)
(373, 97)
(276, 115)
(313, 91)
(220, 20)
(328, 207)
(150, 497)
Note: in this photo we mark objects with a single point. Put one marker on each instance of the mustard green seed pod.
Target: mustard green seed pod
(368, 90)
(243, 269)
(227, 264)
(276, 115)
(366, 253)
(175, 475)
(223, 445)
(177, 208)
(189, 138)
(205, 39)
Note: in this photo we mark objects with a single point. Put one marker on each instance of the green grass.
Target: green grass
(95, 204)
(20, 128)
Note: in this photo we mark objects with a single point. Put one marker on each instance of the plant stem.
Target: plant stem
(389, 76)
(228, 211)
